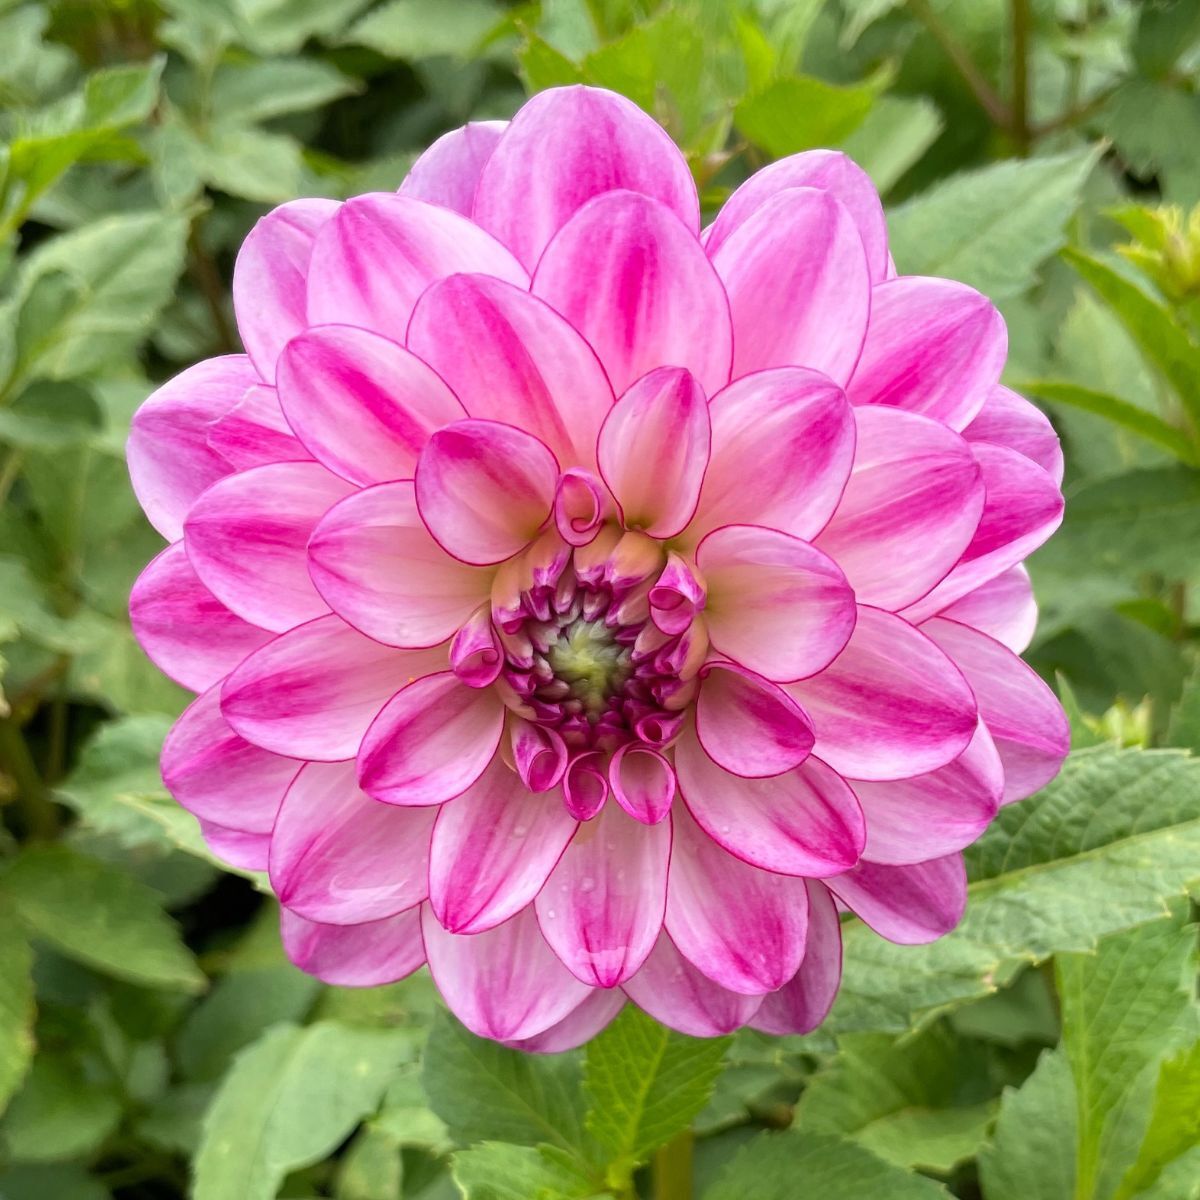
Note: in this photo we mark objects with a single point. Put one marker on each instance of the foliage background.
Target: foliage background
(153, 1042)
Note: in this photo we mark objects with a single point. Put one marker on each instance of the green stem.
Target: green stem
(38, 814)
(972, 76)
(672, 1168)
(1020, 75)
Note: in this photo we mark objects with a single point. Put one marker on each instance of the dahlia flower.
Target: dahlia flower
(590, 605)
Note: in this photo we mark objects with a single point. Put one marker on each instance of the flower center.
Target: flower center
(589, 660)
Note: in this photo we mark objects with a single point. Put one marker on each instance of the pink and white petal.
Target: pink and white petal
(891, 705)
(510, 357)
(743, 927)
(417, 243)
(220, 777)
(643, 782)
(1022, 714)
(1004, 608)
(911, 508)
(364, 406)
(909, 905)
(255, 432)
(366, 955)
(806, 822)
(505, 984)
(270, 278)
(246, 538)
(911, 820)
(375, 564)
(567, 145)
(245, 851)
(782, 449)
(585, 785)
(579, 1026)
(170, 460)
(312, 692)
(493, 849)
(749, 726)
(581, 506)
(1022, 508)
(634, 281)
(431, 741)
(1007, 419)
(933, 346)
(776, 604)
(805, 1000)
(485, 489)
(799, 286)
(653, 451)
(826, 170)
(448, 172)
(184, 629)
(539, 754)
(680, 996)
(476, 656)
(341, 858)
(603, 905)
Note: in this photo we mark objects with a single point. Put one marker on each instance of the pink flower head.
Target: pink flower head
(590, 605)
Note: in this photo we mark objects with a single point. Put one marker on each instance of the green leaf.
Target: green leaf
(99, 916)
(244, 93)
(644, 1084)
(50, 416)
(1032, 1154)
(1120, 412)
(920, 1101)
(372, 1168)
(485, 1092)
(495, 1171)
(1150, 325)
(1165, 30)
(46, 1182)
(16, 1006)
(800, 113)
(288, 1101)
(1183, 730)
(893, 137)
(414, 29)
(991, 227)
(58, 1114)
(1174, 1126)
(252, 163)
(1124, 1008)
(784, 1166)
(122, 96)
(1101, 849)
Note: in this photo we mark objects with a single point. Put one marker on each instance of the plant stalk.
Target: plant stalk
(1019, 112)
(671, 1170)
(39, 818)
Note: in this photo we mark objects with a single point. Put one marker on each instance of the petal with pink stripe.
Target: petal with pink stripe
(603, 905)
(270, 276)
(743, 927)
(432, 740)
(504, 984)
(805, 1000)
(634, 281)
(363, 406)
(255, 432)
(365, 955)
(567, 145)
(493, 848)
(242, 850)
(653, 451)
(448, 172)
(312, 692)
(891, 705)
(170, 460)
(933, 346)
(910, 509)
(1003, 608)
(1022, 714)
(187, 632)
(1007, 419)
(341, 858)
(776, 604)
(376, 565)
(806, 822)
(782, 449)
(910, 905)
(579, 1026)
(643, 782)
(510, 357)
(798, 284)
(420, 243)
(246, 538)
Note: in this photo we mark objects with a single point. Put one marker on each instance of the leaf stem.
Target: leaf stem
(672, 1168)
(38, 815)
(1019, 112)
